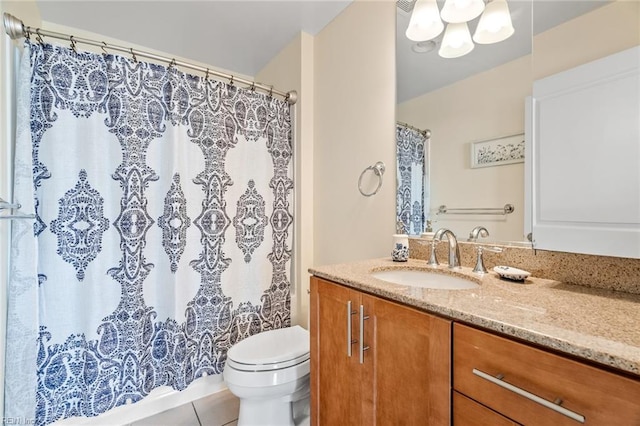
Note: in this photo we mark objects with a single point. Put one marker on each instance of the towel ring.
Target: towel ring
(378, 170)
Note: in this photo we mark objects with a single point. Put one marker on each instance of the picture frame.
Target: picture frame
(498, 151)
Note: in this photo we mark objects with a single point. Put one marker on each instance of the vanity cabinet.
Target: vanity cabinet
(514, 381)
(374, 361)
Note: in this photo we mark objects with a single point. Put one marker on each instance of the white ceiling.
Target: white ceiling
(420, 73)
(241, 36)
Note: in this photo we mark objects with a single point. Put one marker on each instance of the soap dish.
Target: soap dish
(510, 273)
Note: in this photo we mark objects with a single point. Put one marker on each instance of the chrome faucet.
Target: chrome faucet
(454, 251)
(478, 231)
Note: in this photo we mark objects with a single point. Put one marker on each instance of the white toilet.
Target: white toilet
(269, 372)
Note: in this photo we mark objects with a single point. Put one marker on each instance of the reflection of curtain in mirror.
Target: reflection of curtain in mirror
(411, 176)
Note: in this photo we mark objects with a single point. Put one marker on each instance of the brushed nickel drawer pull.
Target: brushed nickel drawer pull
(362, 346)
(535, 398)
(350, 341)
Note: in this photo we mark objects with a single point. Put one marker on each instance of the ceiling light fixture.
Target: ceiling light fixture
(457, 41)
(495, 23)
(458, 11)
(426, 23)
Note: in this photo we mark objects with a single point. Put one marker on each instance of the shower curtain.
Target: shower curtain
(412, 175)
(162, 232)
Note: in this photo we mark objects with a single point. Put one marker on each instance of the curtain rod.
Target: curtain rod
(16, 29)
(426, 133)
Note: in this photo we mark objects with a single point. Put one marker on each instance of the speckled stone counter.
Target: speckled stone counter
(594, 324)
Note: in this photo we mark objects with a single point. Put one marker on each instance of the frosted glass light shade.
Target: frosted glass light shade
(457, 11)
(495, 23)
(425, 22)
(456, 42)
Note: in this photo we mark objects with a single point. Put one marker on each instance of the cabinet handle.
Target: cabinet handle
(535, 398)
(362, 346)
(350, 341)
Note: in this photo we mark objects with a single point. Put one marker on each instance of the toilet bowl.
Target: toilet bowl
(269, 373)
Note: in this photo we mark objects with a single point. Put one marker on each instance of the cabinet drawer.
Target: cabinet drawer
(517, 380)
(467, 412)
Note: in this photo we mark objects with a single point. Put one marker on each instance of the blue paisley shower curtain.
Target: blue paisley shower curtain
(412, 192)
(162, 232)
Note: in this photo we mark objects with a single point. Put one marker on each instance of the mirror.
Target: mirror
(474, 98)
(474, 105)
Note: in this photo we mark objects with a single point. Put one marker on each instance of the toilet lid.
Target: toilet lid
(270, 350)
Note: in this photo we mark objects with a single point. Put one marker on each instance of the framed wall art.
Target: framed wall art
(497, 152)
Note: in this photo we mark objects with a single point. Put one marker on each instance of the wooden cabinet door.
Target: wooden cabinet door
(403, 375)
(408, 365)
(336, 395)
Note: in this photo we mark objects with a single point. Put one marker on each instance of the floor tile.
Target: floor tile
(218, 409)
(183, 415)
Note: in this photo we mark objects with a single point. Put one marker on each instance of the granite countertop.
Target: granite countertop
(594, 324)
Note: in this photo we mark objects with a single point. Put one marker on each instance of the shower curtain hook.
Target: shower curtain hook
(39, 37)
(206, 76)
(27, 33)
(133, 55)
(73, 44)
(271, 92)
(253, 86)
(103, 47)
(172, 64)
(231, 80)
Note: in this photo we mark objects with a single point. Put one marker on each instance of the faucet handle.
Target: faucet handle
(493, 249)
(478, 231)
(479, 268)
(433, 260)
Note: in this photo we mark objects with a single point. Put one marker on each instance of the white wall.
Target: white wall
(604, 31)
(292, 69)
(346, 85)
(354, 128)
(79, 33)
(485, 106)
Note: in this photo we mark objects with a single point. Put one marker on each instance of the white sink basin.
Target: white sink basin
(424, 279)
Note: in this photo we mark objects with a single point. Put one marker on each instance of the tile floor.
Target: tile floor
(219, 409)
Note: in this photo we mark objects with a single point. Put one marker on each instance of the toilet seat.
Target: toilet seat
(268, 379)
(241, 366)
(270, 350)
